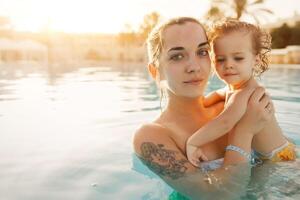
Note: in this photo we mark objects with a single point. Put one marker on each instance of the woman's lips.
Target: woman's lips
(193, 82)
(230, 74)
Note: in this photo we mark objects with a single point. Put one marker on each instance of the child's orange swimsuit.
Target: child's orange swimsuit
(285, 152)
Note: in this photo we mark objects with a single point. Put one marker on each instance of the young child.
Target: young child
(239, 54)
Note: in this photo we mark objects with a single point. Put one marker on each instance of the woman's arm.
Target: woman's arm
(224, 122)
(161, 154)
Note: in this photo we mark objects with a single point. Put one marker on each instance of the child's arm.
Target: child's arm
(195, 155)
(225, 121)
(215, 97)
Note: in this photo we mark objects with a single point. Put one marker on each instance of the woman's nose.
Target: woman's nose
(193, 65)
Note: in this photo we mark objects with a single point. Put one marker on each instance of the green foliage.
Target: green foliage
(295, 35)
(285, 35)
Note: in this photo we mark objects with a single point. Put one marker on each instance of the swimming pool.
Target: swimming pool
(68, 134)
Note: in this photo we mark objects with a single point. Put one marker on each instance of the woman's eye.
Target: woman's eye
(176, 57)
(238, 58)
(203, 52)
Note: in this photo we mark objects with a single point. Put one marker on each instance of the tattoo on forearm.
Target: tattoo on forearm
(163, 161)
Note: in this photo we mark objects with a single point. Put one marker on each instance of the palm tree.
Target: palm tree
(214, 14)
(129, 37)
(150, 20)
(236, 9)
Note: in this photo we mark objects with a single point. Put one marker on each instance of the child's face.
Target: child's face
(234, 58)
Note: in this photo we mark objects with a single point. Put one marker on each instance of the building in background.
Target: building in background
(288, 55)
(22, 51)
(67, 49)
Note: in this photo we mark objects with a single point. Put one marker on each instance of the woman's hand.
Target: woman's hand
(260, 110)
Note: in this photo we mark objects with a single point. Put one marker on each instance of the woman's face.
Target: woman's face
(184, 62)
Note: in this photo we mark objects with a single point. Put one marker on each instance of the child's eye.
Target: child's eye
(238, 58)
(220, 60)
(176, 57)
(202, 52)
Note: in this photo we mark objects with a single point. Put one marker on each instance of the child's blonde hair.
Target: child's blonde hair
(261, 40)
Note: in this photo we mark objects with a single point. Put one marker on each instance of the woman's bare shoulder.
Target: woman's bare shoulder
(150, 132)
(154, 146)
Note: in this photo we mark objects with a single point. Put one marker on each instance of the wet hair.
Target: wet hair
(261, 40)
(155, 41)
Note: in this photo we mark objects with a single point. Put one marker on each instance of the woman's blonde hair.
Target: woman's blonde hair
(155, 41)
(261, 40)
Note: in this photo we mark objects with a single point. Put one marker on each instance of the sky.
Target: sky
(110, 16)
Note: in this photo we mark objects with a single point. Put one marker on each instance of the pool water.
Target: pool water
(67, 134)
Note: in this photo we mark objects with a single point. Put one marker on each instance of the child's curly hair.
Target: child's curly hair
(261, 40)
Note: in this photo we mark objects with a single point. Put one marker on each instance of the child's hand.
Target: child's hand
(215, 97)
(259, 111)
(239, 96)
(195, 155)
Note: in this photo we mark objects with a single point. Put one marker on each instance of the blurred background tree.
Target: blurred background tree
(129, 37)
(295, 34)
(150, 20)
(285, 35)
(93, 54)
(236, 9)
(5, 27)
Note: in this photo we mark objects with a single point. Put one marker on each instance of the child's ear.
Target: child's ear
(257, 60)
(153, 70)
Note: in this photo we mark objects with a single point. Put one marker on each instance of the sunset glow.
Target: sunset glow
(69, 16)
(108, 16)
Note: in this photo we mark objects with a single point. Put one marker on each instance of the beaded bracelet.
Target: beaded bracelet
(239, 150)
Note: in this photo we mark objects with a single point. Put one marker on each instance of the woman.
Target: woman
(180, 64)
